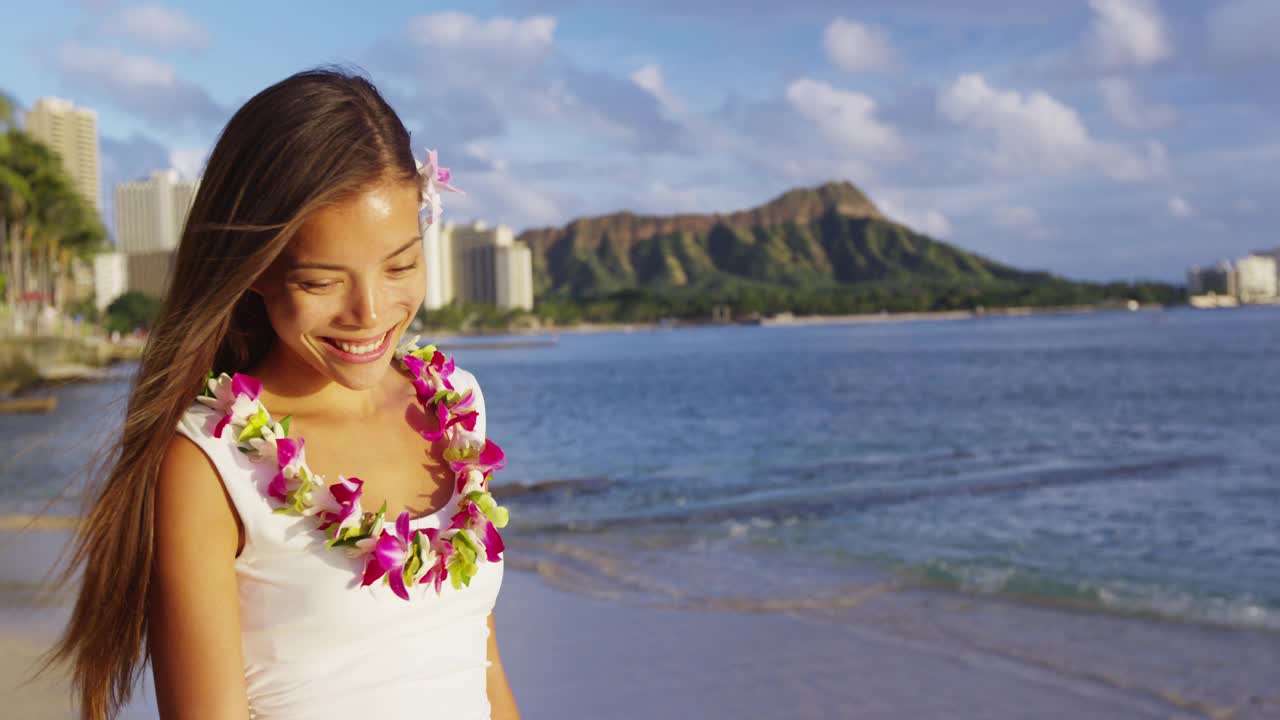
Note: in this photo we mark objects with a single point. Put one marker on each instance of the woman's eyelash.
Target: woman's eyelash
(306, 285)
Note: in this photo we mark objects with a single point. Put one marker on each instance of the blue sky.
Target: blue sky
(1100, 139)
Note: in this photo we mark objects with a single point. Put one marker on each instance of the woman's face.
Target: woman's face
(345, 289)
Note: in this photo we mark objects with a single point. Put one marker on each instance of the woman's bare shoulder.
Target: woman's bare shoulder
(190, 496)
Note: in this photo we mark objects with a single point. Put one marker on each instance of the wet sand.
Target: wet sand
(903, 653)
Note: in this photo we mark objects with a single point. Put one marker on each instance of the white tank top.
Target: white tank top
(317, 645)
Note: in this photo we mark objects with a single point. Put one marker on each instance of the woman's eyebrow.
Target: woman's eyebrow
(326, 266)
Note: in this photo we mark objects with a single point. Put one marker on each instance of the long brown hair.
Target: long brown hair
(314, 139)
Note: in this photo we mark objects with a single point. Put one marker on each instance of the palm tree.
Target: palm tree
(44, 223)
(8, 109)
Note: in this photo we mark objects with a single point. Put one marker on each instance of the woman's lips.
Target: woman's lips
(366, 356)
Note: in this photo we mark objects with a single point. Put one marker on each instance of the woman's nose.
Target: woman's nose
(365, 303)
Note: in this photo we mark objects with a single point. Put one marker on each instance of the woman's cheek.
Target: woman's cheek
(305, 310)
(415, 292)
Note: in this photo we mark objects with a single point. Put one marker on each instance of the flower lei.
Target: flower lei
(399, 556)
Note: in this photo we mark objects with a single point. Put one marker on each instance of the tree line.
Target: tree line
(45, 225)
(748, 300)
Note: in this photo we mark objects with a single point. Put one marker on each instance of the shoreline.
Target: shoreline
(571, 655)
(31, 364)
(24, 378)
(782, 321)
(25, 527)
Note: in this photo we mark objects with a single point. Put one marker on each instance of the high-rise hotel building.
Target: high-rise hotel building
(477, 263)
(150, 215)
(72, 132)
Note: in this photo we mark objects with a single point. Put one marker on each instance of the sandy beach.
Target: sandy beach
(901, 653)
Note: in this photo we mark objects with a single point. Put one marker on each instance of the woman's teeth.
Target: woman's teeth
(360, 349)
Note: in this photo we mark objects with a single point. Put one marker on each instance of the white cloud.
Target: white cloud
(1129, 33)
(482, 155)
(129, 72)
(935, 223)
(1036, 133)
(462, 78)
(1179, 207)
(1032, 129)
(844, 117)
(188, 161)
(138, 84)
(650, 79)
(160, 27)
(1016, 216)
(931, 222)
(1245, 31)
(1127, 108)
(856, 47)
(526, 40)
(659, 197)
(511, 200)
(1020, 219)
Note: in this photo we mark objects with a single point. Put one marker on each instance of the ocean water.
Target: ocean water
(1125, 462)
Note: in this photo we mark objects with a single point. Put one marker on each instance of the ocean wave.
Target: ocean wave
(1116, 596)
(804, 501)
(712, 572)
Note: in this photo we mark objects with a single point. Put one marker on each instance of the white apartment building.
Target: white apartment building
(149, 272)
(437, 248)
(110, 278)
(150, 213)
(1256, 278)
(72, 132)
(477, 263)
(513, 268)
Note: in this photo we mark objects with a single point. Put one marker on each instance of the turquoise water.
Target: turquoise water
(1114, 460)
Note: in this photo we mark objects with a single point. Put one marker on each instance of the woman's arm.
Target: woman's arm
(194, 615)
(502, 704)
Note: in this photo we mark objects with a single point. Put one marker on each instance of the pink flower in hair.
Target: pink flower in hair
(434, 178)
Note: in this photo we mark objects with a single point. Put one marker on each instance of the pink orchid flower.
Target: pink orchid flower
(430, 378)
(290, 458)
(462, 413)
(434, 178)
(441, 174)
(235, 397)
(435, 558)
(389, 557)
(471, 481)
(475, 522)
(486, 460)
(341, 509)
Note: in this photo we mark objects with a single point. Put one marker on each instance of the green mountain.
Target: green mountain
(831, 236)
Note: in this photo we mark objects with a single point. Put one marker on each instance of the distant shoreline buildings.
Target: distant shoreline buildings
(150, 215)
(72, 132)
(1253, 280)
(467, 263)
(476, 263)
(471, 263)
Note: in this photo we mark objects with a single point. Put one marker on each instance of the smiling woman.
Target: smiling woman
(348, 284)
(260, 589)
